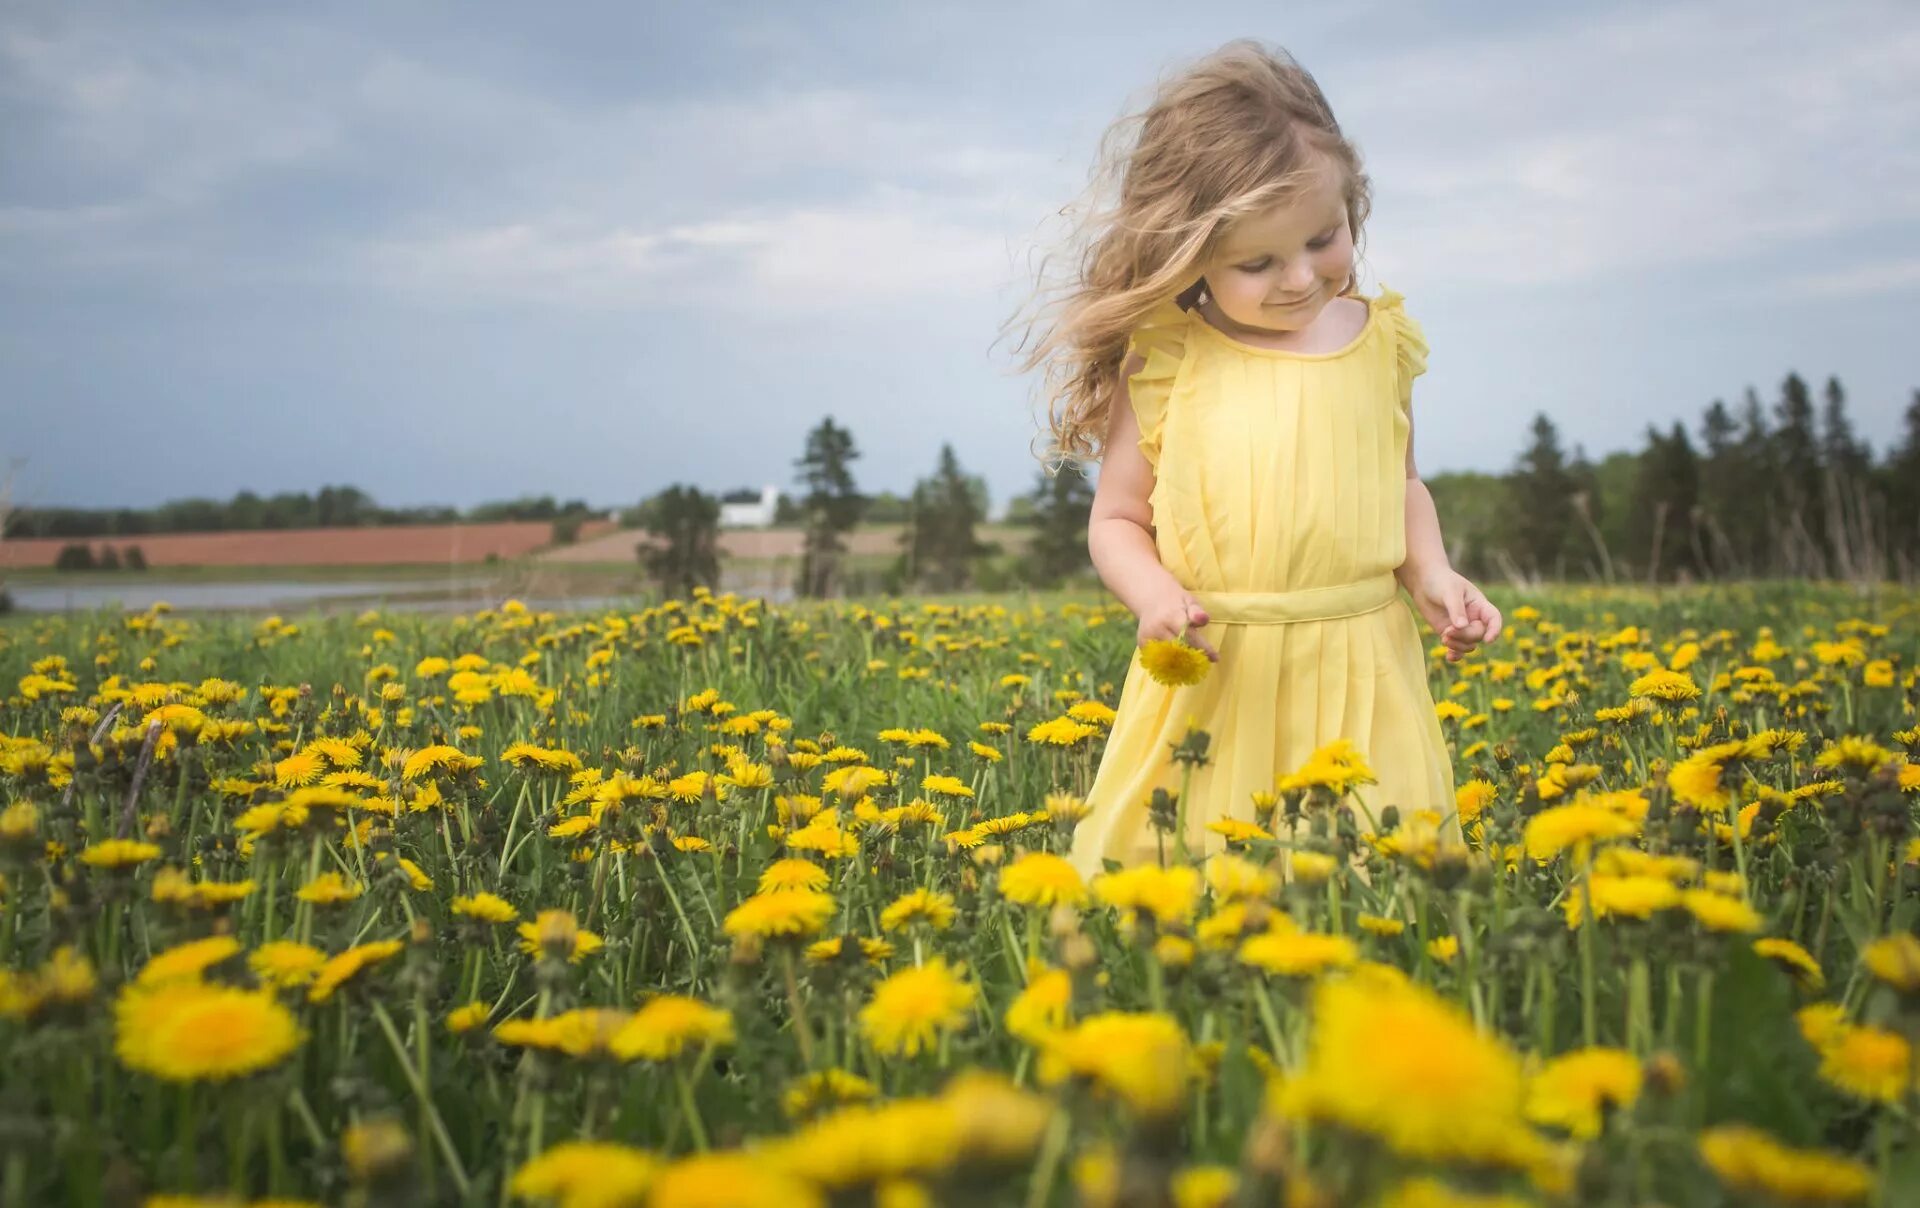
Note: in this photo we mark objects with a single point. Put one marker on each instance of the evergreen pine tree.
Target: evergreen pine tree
(831, 508)
(1796, 464)
(1842, 453)
(1061, 502)
(940, 541)
(1542, 493)
(1757, 524)
(1900, 486)
(1725, 490)
(689, 520)
(1666, 496)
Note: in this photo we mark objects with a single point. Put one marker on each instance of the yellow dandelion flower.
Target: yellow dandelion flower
(329, 889)
(911, 1008)
(1749, 1161)
(343, 967)
(1139, 1058)
(1042, 1008)
(1042, 879)
(188, 960)
(118, 853)
(1895, 960)
(1397, 1062)
(1796, 960)
(792, 873)
(1174, 663)
(1298, 953)
(588, 1174)
(928, 906)
(1574, 1090)
(780, 912)
(667, 1023)
(194, 1031)
(485, 908)
(1169, 894)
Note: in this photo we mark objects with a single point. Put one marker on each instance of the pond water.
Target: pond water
(255, 594)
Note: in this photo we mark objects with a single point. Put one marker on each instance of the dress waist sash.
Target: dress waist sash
(1306, 604)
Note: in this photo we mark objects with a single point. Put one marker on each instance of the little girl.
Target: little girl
(1257, 493)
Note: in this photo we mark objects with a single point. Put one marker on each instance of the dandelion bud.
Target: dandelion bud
(1077, 952)
(1264, 803)
(1162, 810)
(422, 931)
(555, 931)
(1173, 951)
(988, 855)
(745, 950)
(1063, 920)
(376, 1150)
(1664, 1074)
(1269, 1146)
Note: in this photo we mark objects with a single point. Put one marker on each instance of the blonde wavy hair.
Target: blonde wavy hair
(1235, 132)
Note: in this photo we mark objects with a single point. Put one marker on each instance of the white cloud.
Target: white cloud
(1610, 144)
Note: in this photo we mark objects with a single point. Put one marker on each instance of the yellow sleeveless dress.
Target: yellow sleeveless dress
(1279, 502)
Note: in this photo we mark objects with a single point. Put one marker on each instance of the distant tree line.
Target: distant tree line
(940, 546)
(1779, 489)
(1784, 488)
(330, 507)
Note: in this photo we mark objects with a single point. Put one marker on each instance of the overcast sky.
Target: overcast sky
(453, 252)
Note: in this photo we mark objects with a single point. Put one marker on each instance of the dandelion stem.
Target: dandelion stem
(801, 1033)
(1046, 1166)
(690, 1108)
(434, 1124)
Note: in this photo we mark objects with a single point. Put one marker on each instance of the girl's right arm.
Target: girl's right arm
(1120, 532)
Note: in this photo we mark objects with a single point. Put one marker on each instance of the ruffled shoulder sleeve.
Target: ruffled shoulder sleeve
(1409, 341)
(1161, 342)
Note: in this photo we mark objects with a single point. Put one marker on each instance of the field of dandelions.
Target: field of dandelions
(717, 903)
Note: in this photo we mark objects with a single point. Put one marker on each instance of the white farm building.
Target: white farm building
(758, 513)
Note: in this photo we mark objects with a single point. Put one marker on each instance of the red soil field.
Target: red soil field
(383, 546)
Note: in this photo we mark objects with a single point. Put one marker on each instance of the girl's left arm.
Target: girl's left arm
(1458, 611)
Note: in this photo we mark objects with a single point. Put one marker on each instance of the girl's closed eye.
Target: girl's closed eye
(1320, 244)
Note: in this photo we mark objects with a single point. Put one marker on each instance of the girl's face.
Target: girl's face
(1276, 270)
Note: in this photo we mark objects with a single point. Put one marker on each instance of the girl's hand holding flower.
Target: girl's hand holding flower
(1458, 611)
(1172, 616)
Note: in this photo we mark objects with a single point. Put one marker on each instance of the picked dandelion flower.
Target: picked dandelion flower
(1173, 662)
